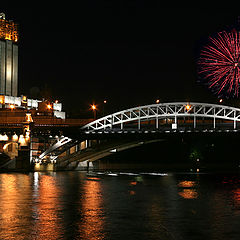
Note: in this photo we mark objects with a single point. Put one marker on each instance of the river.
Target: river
(119, 205)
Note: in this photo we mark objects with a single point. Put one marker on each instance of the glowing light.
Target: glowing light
(15, 137)
(105, 101)
(49, 106)
(2, 99)
(187, 184)
(22, 140)
(12, 106)
(29, 117)
(219, 63)
(157, 101)
(24, 99)
(94, 107)
(92, 223)
(3, 137)
(188, 107)
(220, 100)
(189, 194)
(27, 136)
(133, 183)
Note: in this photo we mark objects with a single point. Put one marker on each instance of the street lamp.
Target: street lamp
(94, 108)
(104, 103)
(49, 106)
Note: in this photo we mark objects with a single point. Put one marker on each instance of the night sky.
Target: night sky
(129, 54)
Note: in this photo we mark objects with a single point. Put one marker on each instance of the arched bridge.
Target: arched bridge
(175, 115)
(173, 111)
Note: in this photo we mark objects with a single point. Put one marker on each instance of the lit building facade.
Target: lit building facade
(9, 75)
(8, 57)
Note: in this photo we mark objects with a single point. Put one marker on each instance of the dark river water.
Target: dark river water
(77, 205)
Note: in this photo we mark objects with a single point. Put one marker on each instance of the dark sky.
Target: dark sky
(130, 54)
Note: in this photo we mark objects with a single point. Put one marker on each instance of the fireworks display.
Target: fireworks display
(219, 63)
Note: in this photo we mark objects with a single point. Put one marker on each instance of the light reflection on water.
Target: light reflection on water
(73, 205)
(45, 210)
(91, 226)
(188, 191)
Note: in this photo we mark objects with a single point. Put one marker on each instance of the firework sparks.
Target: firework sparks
(219, 63)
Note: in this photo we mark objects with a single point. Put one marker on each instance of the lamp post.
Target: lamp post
(104, 103)
(94, 108)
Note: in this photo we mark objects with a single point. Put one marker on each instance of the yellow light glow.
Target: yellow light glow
(27, 136)
(2, 99)
(188, 107)
(188, 194)
(157, 101)
(22, 140)
(24, 99)
(49, 107)
(12, 106)
(94, 107)
(3, 137)
(29, 117)
(187, 184)
(15, 137)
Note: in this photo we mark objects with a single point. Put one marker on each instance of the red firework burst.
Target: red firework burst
(220, 63)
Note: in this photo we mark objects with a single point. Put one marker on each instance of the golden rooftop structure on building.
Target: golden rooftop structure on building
(8, 29)
(8, 57)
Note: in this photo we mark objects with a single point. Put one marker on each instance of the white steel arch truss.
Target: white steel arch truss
(165, 110)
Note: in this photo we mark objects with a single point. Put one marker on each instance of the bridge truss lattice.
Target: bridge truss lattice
(160, 111)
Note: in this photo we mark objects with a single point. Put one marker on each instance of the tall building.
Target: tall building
(8, 57)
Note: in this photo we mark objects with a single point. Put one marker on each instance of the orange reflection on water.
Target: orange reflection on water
(236, 196)
(47, 224)
(133, 183)
(188, 193)
(13, 190)
(187, 184)
(92, 225)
